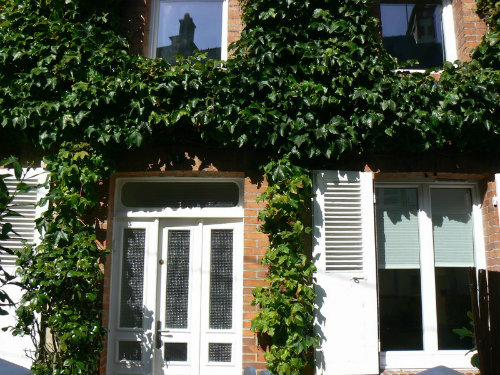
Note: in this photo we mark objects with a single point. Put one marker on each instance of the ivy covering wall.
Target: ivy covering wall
(308, 81)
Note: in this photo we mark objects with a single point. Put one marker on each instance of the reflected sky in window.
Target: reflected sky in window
(206, 15)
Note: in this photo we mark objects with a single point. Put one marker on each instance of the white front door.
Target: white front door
(178, 310)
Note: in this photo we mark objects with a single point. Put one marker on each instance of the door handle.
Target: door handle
(159, 332)
(356, 279)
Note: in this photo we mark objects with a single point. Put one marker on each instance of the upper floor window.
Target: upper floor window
(182, 27)
(419, 30)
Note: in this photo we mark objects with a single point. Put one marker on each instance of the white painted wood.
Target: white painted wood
(226, 336)
(15, 350)
(197, 336)
(144, 334)
(346, 316)
(449, 40)
(431, 356)
(428, 289)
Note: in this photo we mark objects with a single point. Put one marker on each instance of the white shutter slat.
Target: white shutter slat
(23, 203)
(344, 253)
(342, 203)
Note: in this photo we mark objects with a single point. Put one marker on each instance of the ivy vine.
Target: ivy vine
(308, 81)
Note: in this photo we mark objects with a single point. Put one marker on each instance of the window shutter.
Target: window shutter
(344, 252)
(23, 203)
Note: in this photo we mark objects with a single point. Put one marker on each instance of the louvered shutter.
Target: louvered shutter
(344, 252)
(23, 203)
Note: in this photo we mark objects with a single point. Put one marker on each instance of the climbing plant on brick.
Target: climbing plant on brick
(308, 82)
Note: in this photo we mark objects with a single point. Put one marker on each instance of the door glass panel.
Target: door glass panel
(219, 352)
(221, 279)
(129, 350)
(176, 351)
(453, 254)
(132, 278)
(399, 269)
(177, 279)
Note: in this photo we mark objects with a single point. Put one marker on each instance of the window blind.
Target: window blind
(397, 228)
(452, 227)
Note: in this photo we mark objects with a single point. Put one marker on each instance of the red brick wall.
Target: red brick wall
(491, 228)
(469, 28)
(254, 272)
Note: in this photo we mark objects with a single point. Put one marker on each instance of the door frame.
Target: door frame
(121, 217)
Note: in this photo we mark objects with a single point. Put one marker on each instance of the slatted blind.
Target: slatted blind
(452, 227)
(343, 224)
(24, 225)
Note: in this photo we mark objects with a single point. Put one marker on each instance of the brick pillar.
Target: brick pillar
(491, 228)
(254, 272)
(234, 24)
(469, 28)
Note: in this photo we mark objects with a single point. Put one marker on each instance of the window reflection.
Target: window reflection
(413, 31)
(189, 26)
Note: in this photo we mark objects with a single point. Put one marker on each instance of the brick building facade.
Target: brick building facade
(136, 21)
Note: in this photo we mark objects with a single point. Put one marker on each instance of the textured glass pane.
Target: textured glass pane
(397, 228)
(180, 194)
(452, 227)
(219, 352)
(187, 26)
(400, 305)
(412, 30)
(176, 351)
(177, 279)
(221, 279)
(129, 350)
(131, 299)
(452, 301)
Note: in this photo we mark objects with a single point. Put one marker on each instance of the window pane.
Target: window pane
(187, 26)
(413, 30)
(453, 301)
(180, 194)
(131, 304)
(399, 269)
(453, 254)
(177, 279)
(219, 352)
(129, 351)
(453, 228)
(221, 279)
(176, 351)
(400, 309)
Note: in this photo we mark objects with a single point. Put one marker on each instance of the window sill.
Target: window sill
(456, 359)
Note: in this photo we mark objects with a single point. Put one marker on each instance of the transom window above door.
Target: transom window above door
(183, 27)
(427, 238)
(420, 30)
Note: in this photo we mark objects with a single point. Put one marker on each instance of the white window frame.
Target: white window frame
(154, 25)
(449, 39)
(430, 356)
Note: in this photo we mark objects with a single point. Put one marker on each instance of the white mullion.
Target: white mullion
(429, 315)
